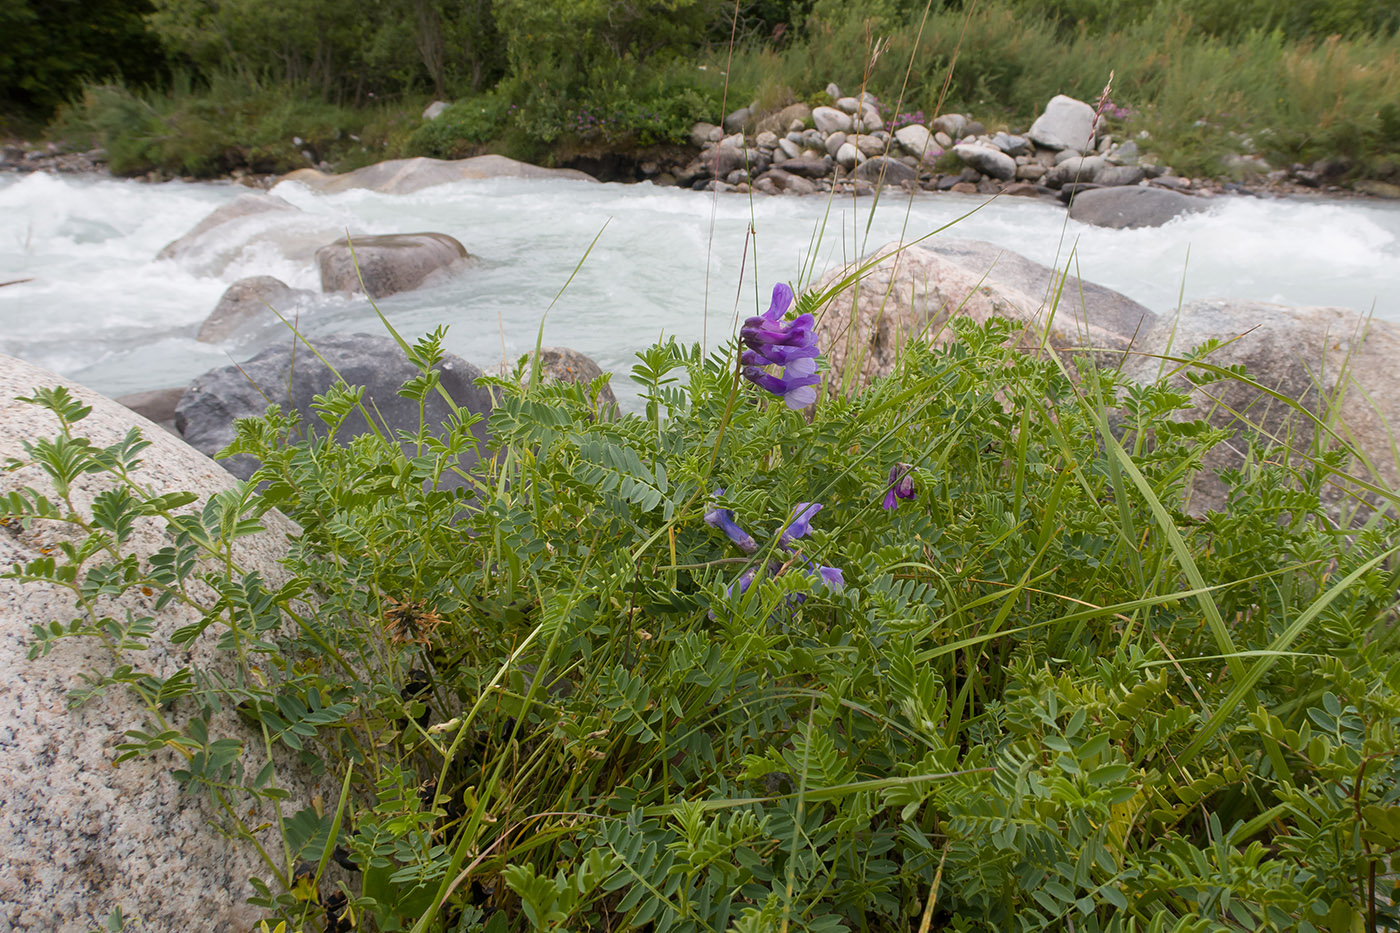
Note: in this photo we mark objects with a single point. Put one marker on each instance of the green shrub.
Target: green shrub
(1032, 693)
(462, 126)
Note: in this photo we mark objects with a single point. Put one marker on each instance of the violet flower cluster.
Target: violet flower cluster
(799, 526)
(789, 344)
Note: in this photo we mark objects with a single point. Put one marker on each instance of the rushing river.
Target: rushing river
(666, 262)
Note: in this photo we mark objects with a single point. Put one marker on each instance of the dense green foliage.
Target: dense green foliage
(1297, 80)
(1043, 697)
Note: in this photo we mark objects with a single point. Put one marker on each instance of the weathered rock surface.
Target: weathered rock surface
(1332, 361)
(78, 836)
(779, 122)
(830, 120)
(244, 304)
(388, 264)
(561, 364)
(1066, 124)
(913, 294)
(402, 176)
(206, 412)
(245, 205)
(156, 405)
(987, 160)
(1132, 206)
(887, 171)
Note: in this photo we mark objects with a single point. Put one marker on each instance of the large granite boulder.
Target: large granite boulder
(291, 377)
(559, 364)
(1066, 124)
(80, 836)
(388, 264)
(403, 176)
(988, 161)
(245, 304)
(1333, 361)
(912, 295)
(1122, 208)
(245, 205)
(882, 170)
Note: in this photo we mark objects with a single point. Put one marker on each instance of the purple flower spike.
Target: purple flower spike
(772, 341)
(801, 524)
(832, 577)
(723, 519)
(901, 485)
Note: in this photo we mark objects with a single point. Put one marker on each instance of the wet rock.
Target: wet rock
(243, 206)
(1135, 206)
(244, 304)
(403, 176)
(386, 264)
(291, 377)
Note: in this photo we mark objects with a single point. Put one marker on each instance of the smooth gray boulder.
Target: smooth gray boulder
(911, 295)
(245, 205)
(830, 120)
(884, 170)
(157, 405)
(79, 836)
(1336, 363)
(388, 264)
(403, 176)
(988, 161)
(559, 364)
(1076, 170)
(1066, 123)
(780, 122)
(292, 377)
(916, 140)
(1133, 206)
(245, 303)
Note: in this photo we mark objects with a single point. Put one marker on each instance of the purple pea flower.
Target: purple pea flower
(723, 519)
(801, 524)
(832, 577)
(901, 485)
(789, 344)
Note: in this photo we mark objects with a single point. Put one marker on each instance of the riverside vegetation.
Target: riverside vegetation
(941, 654)
(203, 89)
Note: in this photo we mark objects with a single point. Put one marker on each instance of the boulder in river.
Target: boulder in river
(886, 171)
(1337, 364)
(80, 836)
(245, 205)
(1132, 206)
(246, 303)
(912, 295)
(388, 264)
(988, 161)
(403, 176)
(292, 376)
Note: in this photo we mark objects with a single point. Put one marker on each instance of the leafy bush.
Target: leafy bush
(465, 124)
(700, 668)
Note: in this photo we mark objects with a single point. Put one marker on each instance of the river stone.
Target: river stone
(245, 303)
(848, 105)
(781, 122)
(1114, 176)
(916, 139)
(1134, 206)
(848, 156)
(1066, 124)
(403, 176)
(987, 160)
(1336, 363)
(245, 205)
(830, 120)
(560, 364)
(389, 264)
(869, 145)
(702, 133)
(766, 140)
(156, 405)
(1075, 170)
(951, 124)
(914, 293)
(1012, 145)
(887, 171)
(778, 181)
(206, 412)
(738, 120)
(79, 836)
(809, 167)
(1377, 189)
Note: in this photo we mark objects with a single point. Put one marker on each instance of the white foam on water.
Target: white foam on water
(102, 310)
